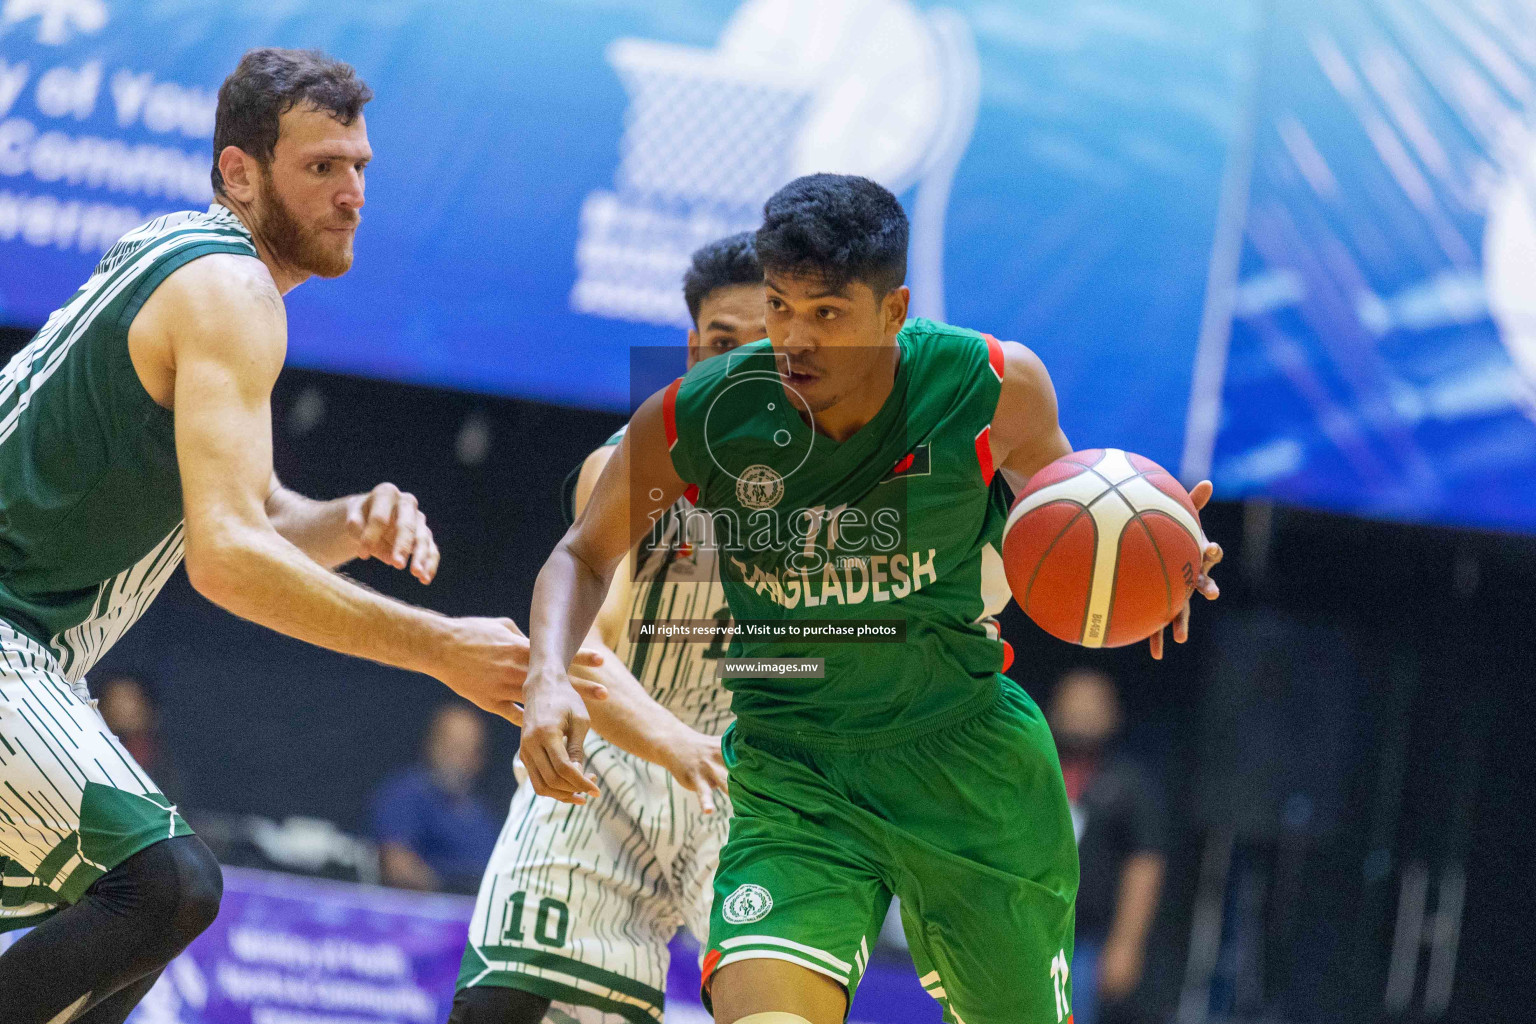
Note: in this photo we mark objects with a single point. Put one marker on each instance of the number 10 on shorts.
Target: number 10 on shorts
(549, 924)
(1060, 972)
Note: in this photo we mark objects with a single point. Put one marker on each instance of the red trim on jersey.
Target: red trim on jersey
(692, 494)
(1007, 656)
(669, 412)
(710, 963)
(995, 355)
(984, 454)
(905, 464)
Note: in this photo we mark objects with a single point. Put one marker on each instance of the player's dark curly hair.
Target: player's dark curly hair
(267, 84)
(720, 264)
(836, 228)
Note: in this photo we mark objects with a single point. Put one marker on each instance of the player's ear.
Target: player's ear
(238, 169)
(693, 346)
(894, 307)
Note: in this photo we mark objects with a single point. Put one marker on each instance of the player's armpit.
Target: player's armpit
(1026, 434)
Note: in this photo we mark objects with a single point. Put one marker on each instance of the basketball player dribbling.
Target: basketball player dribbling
(912, 769)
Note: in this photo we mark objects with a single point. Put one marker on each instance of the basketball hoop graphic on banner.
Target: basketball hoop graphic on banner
(870, 87)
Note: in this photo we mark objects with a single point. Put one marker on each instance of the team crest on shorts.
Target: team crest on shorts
(759, 486)
(747, 904)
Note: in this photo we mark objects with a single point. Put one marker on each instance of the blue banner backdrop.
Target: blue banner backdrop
(544, 168)
(1383, 351)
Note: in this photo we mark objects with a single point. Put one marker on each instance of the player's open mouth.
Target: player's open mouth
(799, 378)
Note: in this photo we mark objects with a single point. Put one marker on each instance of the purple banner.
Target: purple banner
(293, 950)
(289, 950)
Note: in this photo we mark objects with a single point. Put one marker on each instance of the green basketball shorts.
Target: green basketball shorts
(968, 825)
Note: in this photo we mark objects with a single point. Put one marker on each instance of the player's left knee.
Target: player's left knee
(200, 885)
(166, 895)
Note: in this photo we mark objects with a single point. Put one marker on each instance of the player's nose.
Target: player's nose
(351, 195)
(798, 338)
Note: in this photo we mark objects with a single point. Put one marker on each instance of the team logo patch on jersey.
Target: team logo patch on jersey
(759, 486)
(747, 904)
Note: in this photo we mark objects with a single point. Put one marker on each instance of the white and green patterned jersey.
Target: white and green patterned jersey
(676, 579)
(90, 492)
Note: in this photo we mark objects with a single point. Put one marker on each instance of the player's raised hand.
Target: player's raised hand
(387, 523)
(697, 763)
(555, 725)
(1204, 585)
(487, 664)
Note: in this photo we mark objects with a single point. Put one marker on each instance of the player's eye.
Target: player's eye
(323, 167)
(827, 313)
(775, 304)
(725, 344)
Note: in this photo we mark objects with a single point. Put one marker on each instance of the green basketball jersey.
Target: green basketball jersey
(891, 524)
(90, 493)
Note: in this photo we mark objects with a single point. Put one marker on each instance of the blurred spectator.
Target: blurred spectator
(432, 831)
(1121, 827)
(125, 704)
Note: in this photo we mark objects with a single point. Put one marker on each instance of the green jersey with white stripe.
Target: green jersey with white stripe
(90, 493)
(817, 538)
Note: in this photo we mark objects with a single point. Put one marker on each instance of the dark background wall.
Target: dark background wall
(1357, 704)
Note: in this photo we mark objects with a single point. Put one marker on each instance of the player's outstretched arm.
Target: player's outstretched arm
(221, 323)
(630, 718)
(1027, 437)
(385, 523)
(635, 488)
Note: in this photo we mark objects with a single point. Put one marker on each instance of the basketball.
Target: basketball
(1102, 548)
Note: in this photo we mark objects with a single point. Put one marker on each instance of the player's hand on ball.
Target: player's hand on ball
(388, 524)
(697, 763)
(555, 726)
(1204, 585)
(487, 664)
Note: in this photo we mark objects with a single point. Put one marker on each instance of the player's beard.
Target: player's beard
(314, 250)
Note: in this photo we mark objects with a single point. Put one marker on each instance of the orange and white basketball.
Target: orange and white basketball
(1102, 548)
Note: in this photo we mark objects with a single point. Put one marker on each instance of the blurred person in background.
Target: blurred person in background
(129, 709)
(1121, 825)
(433, 832)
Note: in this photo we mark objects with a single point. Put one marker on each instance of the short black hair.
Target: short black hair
(720, 264)
(836, 228)
(266, 84)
